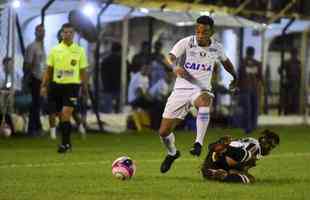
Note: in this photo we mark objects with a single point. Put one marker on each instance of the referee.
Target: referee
(66, 69)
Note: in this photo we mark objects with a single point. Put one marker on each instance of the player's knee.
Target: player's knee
(163, 131)
(204, 101)
(165, 127)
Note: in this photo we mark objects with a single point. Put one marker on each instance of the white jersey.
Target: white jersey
(248, 144)
(199, 61)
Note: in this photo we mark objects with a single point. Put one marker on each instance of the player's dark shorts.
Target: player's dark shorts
(61, 95)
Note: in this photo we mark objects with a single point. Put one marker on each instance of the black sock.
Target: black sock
(65, 128)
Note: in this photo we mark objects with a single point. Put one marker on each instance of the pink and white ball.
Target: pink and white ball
(5, 131)
(123, 168)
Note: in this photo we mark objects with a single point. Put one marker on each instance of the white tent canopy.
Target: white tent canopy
(116, 12)
(189, 19)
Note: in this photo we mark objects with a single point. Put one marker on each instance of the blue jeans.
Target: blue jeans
(111, 102)
(249, 104)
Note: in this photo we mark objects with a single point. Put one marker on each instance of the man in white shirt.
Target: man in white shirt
(138, 89)
(192, 86)
(34, 65)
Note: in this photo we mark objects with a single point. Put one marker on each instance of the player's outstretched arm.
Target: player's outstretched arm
(229, 67)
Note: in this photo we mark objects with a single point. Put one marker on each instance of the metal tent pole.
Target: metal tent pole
(304, 89)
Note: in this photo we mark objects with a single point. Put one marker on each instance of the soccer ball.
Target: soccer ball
(123, 168)
(5, 131)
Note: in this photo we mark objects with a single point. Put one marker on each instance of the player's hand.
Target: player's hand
(43, 91)
(180, 71)
(84, 91)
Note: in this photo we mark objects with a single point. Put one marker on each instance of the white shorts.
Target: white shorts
(180, 102)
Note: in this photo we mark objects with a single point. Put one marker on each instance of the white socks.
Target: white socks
(168, 141)
(202, 123)
(53, 133)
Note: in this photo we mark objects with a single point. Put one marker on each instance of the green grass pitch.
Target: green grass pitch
(30, 169)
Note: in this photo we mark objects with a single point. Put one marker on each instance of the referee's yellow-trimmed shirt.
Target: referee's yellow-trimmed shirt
(66, 62)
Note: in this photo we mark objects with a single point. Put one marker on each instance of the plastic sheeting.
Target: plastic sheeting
(116, 12)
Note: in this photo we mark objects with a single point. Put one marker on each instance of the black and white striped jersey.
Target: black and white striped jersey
(248, 148)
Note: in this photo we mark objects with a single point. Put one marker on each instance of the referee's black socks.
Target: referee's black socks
(65, 128)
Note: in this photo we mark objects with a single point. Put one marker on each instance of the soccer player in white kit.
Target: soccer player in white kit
(192, 86)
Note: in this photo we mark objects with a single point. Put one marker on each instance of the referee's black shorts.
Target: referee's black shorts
(61, 95)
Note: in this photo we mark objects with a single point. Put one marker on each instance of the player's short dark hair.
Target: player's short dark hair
(250, 51)
(38, 26)
(206, 20)
(66, 25)
(271, 136)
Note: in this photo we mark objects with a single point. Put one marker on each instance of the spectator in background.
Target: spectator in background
(34, 65)
(292, 75)
(159, 67)
(111, 77)
(6, 93)
(250, 76)
(142, 58)
(159, 93)
(138, 96)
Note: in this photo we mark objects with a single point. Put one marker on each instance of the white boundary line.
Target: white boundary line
(109, 162)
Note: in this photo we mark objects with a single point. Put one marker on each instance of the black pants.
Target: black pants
(34, 125)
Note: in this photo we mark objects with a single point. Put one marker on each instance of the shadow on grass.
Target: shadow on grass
(282, 181)
(180, 179)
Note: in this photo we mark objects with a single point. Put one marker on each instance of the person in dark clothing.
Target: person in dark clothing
(142, 58)
(34, 65)
(250, 75)
(111, 77)
(292, 76)
(6, 93)
(159, 65)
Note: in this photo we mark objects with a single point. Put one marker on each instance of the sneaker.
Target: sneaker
(64, 148)
(196, 149)
(166, 164)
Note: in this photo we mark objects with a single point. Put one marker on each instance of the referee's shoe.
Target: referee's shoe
(63, 148)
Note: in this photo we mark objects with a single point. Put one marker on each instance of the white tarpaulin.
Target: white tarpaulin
(116, 12)
(189, 18)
